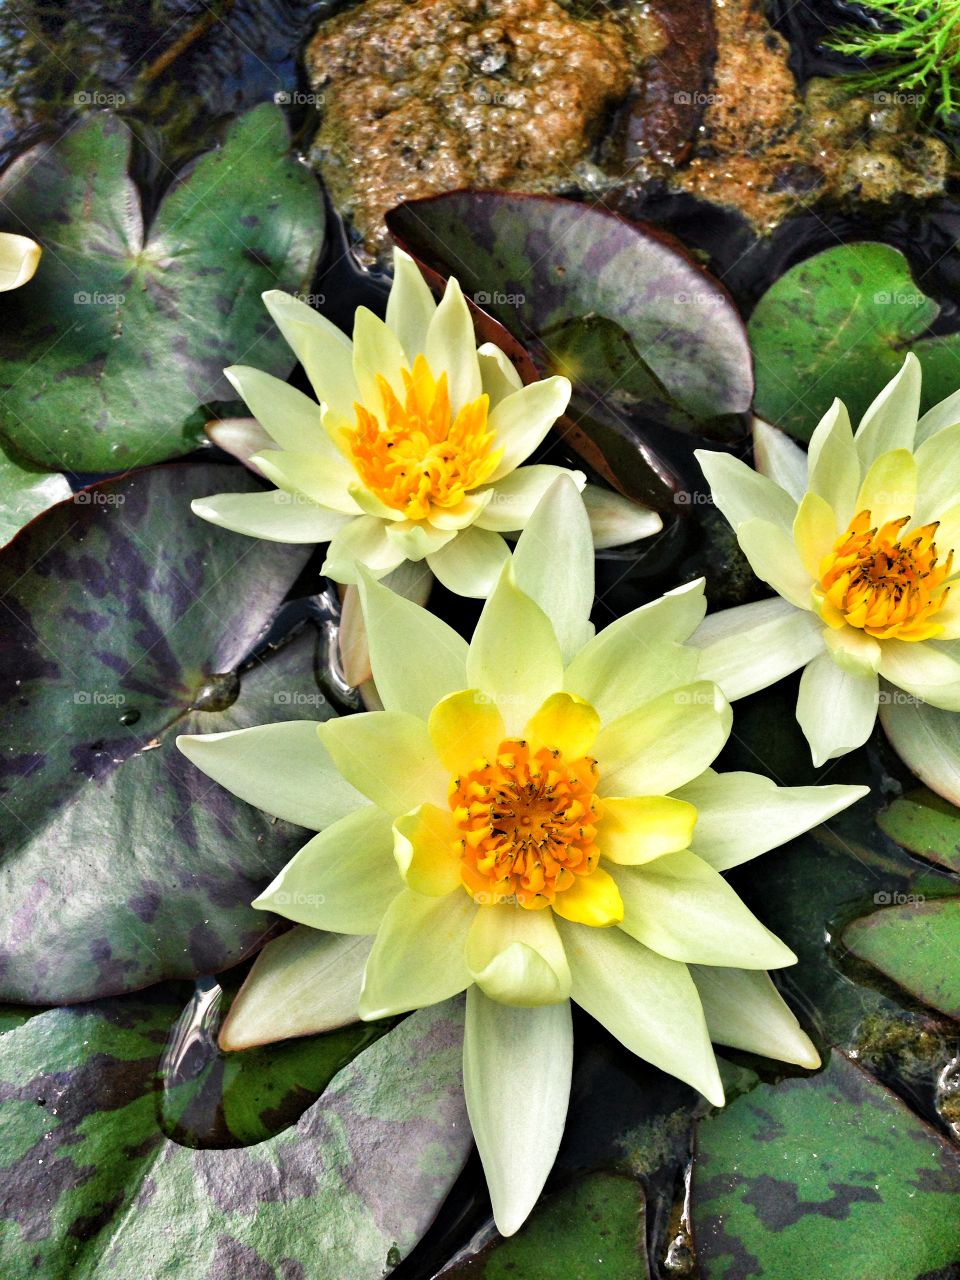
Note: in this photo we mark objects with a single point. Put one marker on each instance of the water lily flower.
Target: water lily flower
(19, 256)
(533, 819)
(857, 537)
(414, 450)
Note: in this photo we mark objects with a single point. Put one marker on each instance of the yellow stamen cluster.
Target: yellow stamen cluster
(884, 581)
(419, 457)
(528, 822)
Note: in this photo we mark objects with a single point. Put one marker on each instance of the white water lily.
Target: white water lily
(857, 537)
(533, 819)
(19, 257)
(414, 450)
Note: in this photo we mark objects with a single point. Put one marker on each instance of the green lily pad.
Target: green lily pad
(125, 619)
(24, 493)
(840, 324)
(824, 1176)
(592, 1230)
(916, 943)
(926, 824)
(107, 355)
(93, 1188)
(647, 337)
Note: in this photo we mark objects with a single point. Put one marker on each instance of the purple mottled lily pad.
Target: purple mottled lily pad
(121, 863)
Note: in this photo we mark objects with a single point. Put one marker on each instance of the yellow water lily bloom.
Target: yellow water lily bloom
(19, 257)
(858, 537)
(414, 450)
(531, 819)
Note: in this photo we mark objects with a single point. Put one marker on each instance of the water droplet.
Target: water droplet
(218, 692)
(130, 717)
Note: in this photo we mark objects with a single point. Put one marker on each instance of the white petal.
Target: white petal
(301, 983)
(325, 481)
(553, 562)
(516, 956)
(647, 1001)
(19, 258)
(289, 417)
(515, 497)
(889, 488)
(497, 373)
(416, 658)
(471, 563)
(834, 463)
(680, 907)
(514, 656)
(324, 351)
(240, 437)
(418, 955)
(362, 541)
(815, 532)
(451, 347)
(836, 709)
(922, 669)
(503, 1047)
(283, 769)
(780, 459)
(775, 560)
(891, 421)
(416, 540)
(926, 739)
(275, 516)
(664, 743)
(752, 646)
(389, 757)
(523, 419)
(938, 475)
(342, 880)
(853, 649)
(745, 1011)
(742, 493)
(640, 655)
(944, 414)
(410, 306)
(741, 815)
(376, 353)
(616, 521)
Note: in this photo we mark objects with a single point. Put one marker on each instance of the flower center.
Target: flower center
(884, 581)
(528, 824)
(419, 457)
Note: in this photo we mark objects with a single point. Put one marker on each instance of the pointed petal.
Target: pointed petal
(502, 1046)
(636, 829)
(399, 630)
(553, 562)
(891, 421)
(342, 880)
(752, 646)
(19, 258)
(564, 723)
(680, 907)
(467, 512)
(640, 655)
(523, 419)
(418, 955)
(363, 541)
(311, 475)
(275, 516)
(741, 815)
(283, 769)
(498, 374)
(944, 414)
(836, 709)
(834, 463)
(926, 739)
(301, 983)
(324, 351)
(922, 669)
(853, 650)
(780, 459)
(592, 900)
(240, 437)
(291, 419)
(376, 352)
(451, 347)
(665, 743)
(938, 475)
(410, 306)
(514, 498)
(516, 956)
(427, 850)
(416, 541)
(743, 494)
(514, 656)
(775, 560)
(889, 488)
(647, 1001)
(471, 563)
(465, 727)
(615, 520)
(745, 1011)
(814, 532)
(388, 757)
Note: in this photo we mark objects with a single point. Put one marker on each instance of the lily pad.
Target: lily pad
(123, 333)
(926, 824)
(125, 620)
(92, 1187)
(24, 493)
(916, 943)
(840, 324)
(829, 1175)
(647, 337)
